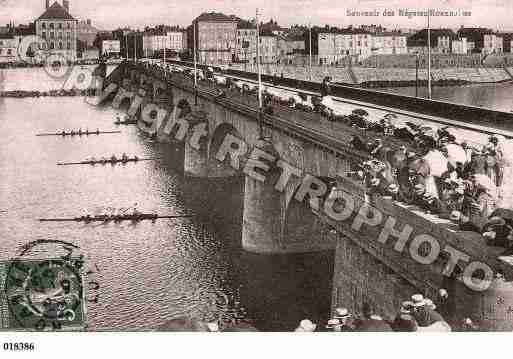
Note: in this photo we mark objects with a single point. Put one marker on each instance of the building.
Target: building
(268, 47)
(343, 45)
(110, 48)
(58, 29)
(152, 43)
(273, 28)
(440, 41)
(215, 35)
(460, 46)
(86, 32)
(177, 40)
(8, 47)
(245, 42)
(492, 44)
(474, 36)
(388, 43)
(291, 46)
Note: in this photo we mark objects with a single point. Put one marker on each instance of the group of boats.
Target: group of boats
(115, 216)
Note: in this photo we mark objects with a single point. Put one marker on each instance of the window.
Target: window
(68, 34)
(9, 51)
(43, 25)
(52, 35)
(0, 51)
(43, 35)
(51, 25)
(69, 25)
(51, 45)
(60, 35)
(60, 25)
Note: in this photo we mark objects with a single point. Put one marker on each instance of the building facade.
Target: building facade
(493, 44)
(58, 31)
(460, 46)
(8, 47)
(388, 43)
(245, 42)
(111, 47)
(346, 45)
(268, 48)
(215, 38)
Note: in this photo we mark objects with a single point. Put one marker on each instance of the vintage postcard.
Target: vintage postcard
(263, 166)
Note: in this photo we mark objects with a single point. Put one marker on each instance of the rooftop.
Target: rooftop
(216, 17)
(56, 11)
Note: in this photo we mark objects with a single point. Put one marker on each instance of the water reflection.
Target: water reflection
(149, 273)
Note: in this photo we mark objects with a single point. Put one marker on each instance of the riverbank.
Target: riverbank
(51, 93)
(386, 77)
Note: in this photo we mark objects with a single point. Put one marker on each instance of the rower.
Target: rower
(97, 131)
(113, 158)
(72, 133)
(80, 132)
(124, 157)
(136, 158)
(103, 160)
(63, 133)
(87, 132)
(135, 212)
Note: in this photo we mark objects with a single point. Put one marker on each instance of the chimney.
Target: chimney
(65, 3)
(47, 4)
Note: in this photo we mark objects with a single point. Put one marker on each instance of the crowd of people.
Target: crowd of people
(470, 185)
(418, 314)
(434, 168)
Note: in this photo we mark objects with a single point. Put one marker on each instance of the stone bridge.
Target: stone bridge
(297, 197)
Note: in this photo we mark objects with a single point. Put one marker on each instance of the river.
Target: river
(494, 96)
(148, 272)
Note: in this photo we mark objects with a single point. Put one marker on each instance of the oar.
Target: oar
(106, 162)
(77, 134)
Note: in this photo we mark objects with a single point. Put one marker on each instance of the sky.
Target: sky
(110, 14)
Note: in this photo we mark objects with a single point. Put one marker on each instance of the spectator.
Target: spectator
(306, 326)
(371, 322)
(426, 315)
(405, 322)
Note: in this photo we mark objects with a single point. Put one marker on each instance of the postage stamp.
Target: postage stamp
(43, 294)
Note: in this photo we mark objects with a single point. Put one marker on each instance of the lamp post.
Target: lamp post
(417, 74)
(135, 47)
(310, 57)
(195, 74)
(429, 57)
(259, 76)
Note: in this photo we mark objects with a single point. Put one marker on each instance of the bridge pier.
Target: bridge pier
(199, 152)
(274, 221)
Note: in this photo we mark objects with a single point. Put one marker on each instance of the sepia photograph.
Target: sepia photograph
(255, 166)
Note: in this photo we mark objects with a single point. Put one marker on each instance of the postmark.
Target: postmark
(45, 288)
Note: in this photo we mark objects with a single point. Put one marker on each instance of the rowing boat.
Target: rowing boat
(108, 218)
(107, 161)
(76, 133)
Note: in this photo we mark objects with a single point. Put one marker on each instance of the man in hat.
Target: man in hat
(343, 317)
(424, 312)
(306, 325)
(371, 322)
(405, 322)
